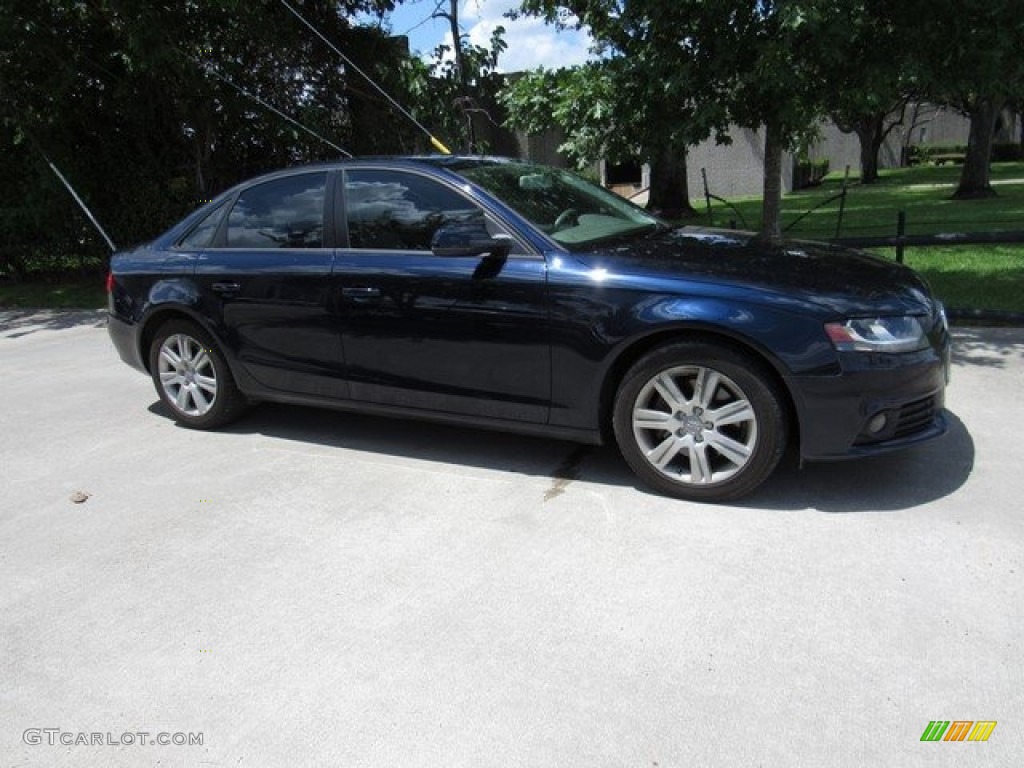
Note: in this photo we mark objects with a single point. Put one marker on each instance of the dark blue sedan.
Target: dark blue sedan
(496, 293)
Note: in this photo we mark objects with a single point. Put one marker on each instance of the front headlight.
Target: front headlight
(940, 309)
(877, 334)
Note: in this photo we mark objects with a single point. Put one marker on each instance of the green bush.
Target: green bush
(1006, 153)
(809, 173)
(919, 154)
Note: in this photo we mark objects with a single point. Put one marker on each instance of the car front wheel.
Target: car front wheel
(192, 377)
(701, 422)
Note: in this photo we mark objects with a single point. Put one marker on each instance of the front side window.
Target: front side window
(286, 213)
(392, 210)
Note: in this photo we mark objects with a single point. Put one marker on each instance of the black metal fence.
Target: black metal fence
(901, 240)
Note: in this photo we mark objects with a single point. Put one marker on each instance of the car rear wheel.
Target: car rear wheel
(698, 421)
(192, 377)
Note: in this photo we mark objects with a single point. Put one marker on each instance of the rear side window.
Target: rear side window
(393, 210)
(286, 213)
(202, 233)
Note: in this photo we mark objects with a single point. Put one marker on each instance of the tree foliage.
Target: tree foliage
(782, 65)
(127, 98)
(591, 106)
(699, 66)
(871, 98)
(455, 103)
(968, 56)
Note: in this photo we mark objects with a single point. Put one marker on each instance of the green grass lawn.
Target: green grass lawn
(967, 278)
(71, 293)
(923, 192)
(986, 277)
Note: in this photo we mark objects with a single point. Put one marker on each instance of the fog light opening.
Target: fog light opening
(877, 423)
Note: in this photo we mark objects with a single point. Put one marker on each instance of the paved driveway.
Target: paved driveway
(311, 588)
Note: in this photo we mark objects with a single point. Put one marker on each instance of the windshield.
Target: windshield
(568, 209)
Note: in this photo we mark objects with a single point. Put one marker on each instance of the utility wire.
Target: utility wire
(67, 184)
(438, 145)
(78, 200)
(431, 17)
(264, 104)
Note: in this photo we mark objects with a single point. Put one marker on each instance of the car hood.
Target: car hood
(840, 279)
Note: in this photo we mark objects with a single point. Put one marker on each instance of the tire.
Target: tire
(192, 377)
(699, 421)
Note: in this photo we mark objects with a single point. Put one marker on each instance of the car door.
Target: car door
(462, 335)
(266, 281)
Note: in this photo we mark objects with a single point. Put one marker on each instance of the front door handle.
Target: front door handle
(361, 292)
(226, 287)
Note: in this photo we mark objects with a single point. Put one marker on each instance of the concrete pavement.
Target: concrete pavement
(316, 588)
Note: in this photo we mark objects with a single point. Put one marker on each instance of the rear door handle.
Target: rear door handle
(361, 292)
(226, 287)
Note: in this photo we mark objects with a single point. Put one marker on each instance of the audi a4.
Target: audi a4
(496, 293)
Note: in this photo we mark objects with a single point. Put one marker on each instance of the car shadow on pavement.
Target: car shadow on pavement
(439, 444)
(895, 481)
(15, 323)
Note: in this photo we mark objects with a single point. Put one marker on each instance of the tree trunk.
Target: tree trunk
(460, 66)
(869, 134)
(1020, 121)
(670, 191)
(975, 177)
(771, 205)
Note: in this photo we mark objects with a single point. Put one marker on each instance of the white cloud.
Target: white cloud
(531, 42)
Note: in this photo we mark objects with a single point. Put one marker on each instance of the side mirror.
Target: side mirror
(469, 239)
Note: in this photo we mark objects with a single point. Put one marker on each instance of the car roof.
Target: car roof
(452, 162)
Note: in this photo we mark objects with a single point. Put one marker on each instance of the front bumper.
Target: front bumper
(879, 403)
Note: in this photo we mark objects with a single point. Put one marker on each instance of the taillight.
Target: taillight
(110, 282)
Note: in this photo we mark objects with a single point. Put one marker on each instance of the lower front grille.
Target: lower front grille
(914, 417)
(905, 421)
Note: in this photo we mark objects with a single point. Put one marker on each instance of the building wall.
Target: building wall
(542, 148)
(929, 124)
(840, 149)
(733, 170)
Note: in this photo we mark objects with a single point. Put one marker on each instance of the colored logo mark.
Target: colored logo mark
(958, 730)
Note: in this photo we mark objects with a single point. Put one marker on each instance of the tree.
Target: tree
(127, 98)
(590, 105)
(871, 99)
(872, 129)
(968, 56)
(456, 96)
(714, 63)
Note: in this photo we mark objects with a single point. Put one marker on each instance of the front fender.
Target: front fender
(597, 338)
(797, 342)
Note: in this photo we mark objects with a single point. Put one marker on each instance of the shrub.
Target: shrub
(809, 173)
(923, 153)
(1006, 153)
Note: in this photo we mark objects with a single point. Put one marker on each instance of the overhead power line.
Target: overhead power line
(265, 105)
(437, 143)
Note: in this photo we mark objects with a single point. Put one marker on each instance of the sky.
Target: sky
(531, 42)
